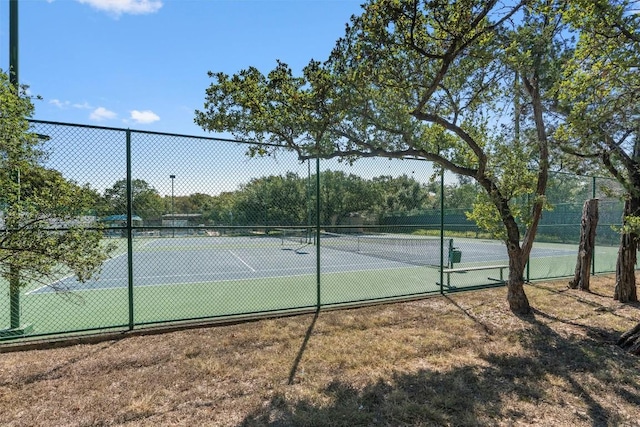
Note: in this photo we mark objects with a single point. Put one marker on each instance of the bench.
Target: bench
(448, 271)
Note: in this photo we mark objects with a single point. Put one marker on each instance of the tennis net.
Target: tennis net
(422, 251)
(295, 235)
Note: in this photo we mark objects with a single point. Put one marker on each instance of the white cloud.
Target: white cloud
(118, 7)
(144, 117)
(59, 104)
(101, 113)
(66, 104)
(84, 106)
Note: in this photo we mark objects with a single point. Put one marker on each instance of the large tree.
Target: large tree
(222, 208)
(44, 230)
(401, 194)
(273, 200)
(194, 203)
(342, 194)
(146, 201)
(431, 80)
(600, 95)
(288, 199)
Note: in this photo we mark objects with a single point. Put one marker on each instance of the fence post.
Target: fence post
(13, 45)
(318, 270)
(593, 254)
(129, 231)
(442, 232)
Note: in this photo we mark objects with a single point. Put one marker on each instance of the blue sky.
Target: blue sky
(143, 63)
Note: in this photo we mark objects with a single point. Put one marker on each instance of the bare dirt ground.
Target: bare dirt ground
(460, 360)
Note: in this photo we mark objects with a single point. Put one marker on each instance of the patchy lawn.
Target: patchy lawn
(461, 360)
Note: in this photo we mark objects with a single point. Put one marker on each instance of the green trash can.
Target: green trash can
(456, 255)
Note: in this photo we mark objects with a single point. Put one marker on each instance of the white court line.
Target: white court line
(384, 266)
(251, 279)
(49, 285)
(390, 265)
(66, 277)
(242, 261)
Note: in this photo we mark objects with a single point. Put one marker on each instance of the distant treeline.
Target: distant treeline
(383, 203)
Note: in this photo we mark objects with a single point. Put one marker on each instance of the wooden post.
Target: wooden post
(588, 226)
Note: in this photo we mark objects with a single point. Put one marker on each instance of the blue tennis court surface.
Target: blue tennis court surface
(210, 259)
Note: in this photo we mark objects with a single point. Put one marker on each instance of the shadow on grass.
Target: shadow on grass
(423, 397)
(587, 369)
(303, 347)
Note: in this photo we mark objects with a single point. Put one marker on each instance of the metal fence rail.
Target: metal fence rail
(199, 230)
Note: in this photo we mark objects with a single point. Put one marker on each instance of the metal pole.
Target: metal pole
(14, 272)
(309, 206)
(14, 297)
(528, 264)
(173, 211)
(516, 107)
(318, 230)
(593, 253)
(442, 232)
(13, 43)
(130, 231)
(14, 286)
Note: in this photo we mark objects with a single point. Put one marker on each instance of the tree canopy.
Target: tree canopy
(600, 96)
(427, 80)
(288, 200)
(42, 230)
(146, 201)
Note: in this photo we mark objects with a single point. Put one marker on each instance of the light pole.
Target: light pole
(13, 45)
(173, 212)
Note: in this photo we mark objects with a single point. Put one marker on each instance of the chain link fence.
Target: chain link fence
(196, 229)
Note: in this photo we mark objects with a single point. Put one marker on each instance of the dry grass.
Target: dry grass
(458, 360)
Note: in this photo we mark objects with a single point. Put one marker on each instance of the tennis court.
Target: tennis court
(211, 259)
(222, 276)
(214, 259)
(240, 263)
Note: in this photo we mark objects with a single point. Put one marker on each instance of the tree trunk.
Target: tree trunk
(518, 301)
(516, 297)
(630, 340)
(588, 226)
(625, 290)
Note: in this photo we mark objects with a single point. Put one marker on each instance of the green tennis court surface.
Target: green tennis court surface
(214, 276)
